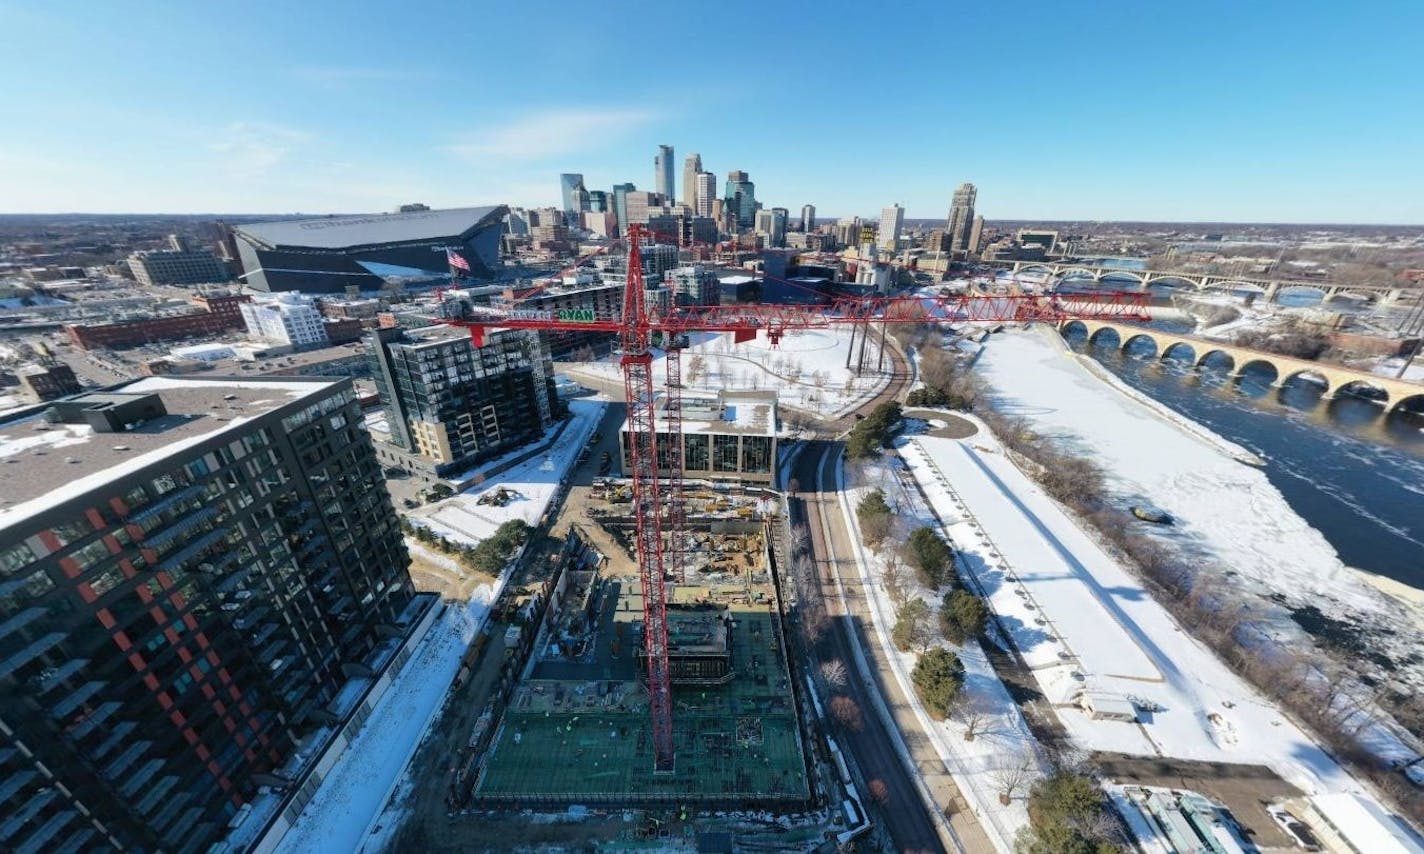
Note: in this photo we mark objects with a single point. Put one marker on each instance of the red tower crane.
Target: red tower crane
(657, 505)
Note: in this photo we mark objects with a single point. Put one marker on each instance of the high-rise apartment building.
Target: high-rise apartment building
(808, 218)
(177, 265)
(569, 183)
(691, 165)
(663, 174)
(706, 201)
(598, 201)
(892, 219)
(976, 235)
(961, 217)
(194, 571)
(456, 405)
(286, 318)
(740, 198)
(693, 285)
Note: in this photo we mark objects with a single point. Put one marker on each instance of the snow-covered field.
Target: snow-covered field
(1226, 512)
(352, 795)
(1085, 624)
(1221, 507)
(462, 519)
(807, 368)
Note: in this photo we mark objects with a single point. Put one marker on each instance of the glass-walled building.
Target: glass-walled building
(729, 437)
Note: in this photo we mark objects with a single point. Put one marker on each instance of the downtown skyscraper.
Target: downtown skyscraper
(663, 177)
(691, 165)
(960, 221)
(892, 219)
(740, 198)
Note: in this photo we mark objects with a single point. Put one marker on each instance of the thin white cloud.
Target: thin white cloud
(257, 147)
(550, 133)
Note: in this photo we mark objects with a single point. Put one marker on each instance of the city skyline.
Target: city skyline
(292, 127)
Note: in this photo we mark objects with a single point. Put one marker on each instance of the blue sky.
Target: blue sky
(1244, 111)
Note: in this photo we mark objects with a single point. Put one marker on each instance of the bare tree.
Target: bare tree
(696, 367)
(973, 713)
(879, 792)
(1014, 772)
(847, 713)
(834, 673)
(800, 539)
(895, 577)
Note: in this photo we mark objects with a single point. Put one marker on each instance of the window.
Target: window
(106, 580)
(16, 558)
(695, 452)
(724, 453)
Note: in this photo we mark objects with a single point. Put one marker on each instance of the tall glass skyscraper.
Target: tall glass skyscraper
(740, 197)
(569, 184)
(620, 204)
(961, 217)
(663, 174)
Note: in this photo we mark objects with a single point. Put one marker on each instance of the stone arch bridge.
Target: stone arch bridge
(1270, 289)
(1336, 379)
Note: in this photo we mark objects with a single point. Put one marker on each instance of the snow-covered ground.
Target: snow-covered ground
(1227, 513)
(1085, 624)
(1003, 743)
(352, 795)
(1389, 367)
(462, 519)
(806, 367)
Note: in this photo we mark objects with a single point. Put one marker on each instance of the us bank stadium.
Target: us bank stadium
(332, 253)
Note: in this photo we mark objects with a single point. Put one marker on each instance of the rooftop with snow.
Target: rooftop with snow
(87, 440)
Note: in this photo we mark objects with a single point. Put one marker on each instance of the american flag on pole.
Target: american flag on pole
(456, 260)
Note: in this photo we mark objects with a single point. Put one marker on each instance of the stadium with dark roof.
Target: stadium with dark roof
(332, 253)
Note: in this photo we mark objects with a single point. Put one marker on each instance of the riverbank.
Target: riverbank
(1229, 517)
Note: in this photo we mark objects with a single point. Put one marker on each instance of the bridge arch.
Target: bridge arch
(1035, 268)
(1225, 355)
(1141, 336)
(1073, 325)
(1363, 390)
(1413, 403)
(1232, 285)
(1121, 274)
(1173, 281)
(1310, 375)
(1098, 333)
(1077, 273)
(1253, 361)
(1179, 347)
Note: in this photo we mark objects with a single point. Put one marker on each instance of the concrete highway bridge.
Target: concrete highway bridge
(1269, 288)
(1336, 379)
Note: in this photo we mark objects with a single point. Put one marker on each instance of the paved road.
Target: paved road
(873, 748)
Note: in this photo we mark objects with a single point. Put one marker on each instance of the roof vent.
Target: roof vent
(71, 460)
(229, 397)
(121, 447)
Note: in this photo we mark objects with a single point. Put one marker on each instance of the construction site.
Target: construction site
(569, 724)
(634, 681)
